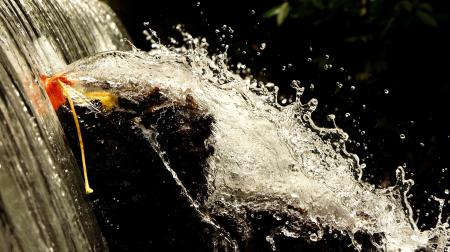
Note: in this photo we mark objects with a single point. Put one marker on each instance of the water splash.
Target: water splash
(269, 156)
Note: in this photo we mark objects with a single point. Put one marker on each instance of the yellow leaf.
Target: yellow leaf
(283, 13)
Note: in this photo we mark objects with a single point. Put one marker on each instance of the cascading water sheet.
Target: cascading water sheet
(41, 206)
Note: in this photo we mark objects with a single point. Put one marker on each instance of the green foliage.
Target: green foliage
(375, 24)
(281, 12)
(380, 12)
(427, 18)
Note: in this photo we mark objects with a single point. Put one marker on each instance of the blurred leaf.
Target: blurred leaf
(273, 11)
(359, 38)
(426, 7)
(404, 6)
(387, 27)
(426, 18)
(283, 14)
(318, 4)
(352, 39)
(363, 11)
(281, 11)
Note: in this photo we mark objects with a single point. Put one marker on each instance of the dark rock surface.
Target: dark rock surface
(136, 200)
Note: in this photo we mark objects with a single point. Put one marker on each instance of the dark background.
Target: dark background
(391, 57)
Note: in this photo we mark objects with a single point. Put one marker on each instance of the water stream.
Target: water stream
(266, 153)
(41, 206)
(266, 156)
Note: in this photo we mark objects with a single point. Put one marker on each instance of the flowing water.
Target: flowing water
(265, 152)
(266, 155)
(41, 206)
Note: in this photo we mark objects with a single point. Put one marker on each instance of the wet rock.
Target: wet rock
(136, 200)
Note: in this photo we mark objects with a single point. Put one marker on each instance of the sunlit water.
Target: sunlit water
(266, 156)
(41, 206)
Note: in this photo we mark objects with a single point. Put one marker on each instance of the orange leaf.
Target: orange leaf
(54, 90)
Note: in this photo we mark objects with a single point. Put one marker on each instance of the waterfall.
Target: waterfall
(268, 177)
(41, 206)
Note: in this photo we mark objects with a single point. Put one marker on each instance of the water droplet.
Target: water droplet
(402, 136)
(311, 86)
(352, 88)
(363, 133)
(270, 85)
(339, 85)
(198, 4)
(217, 31)
(447, 191)
(252, 12)
(421, 144)
(347, 114)
(386, 91)
(263, 46)
(327, 56)
(313, 237)
(224, 27)
(294, 195)
(284, 101)
(314, 102)
(341, 69)
(309, 59)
